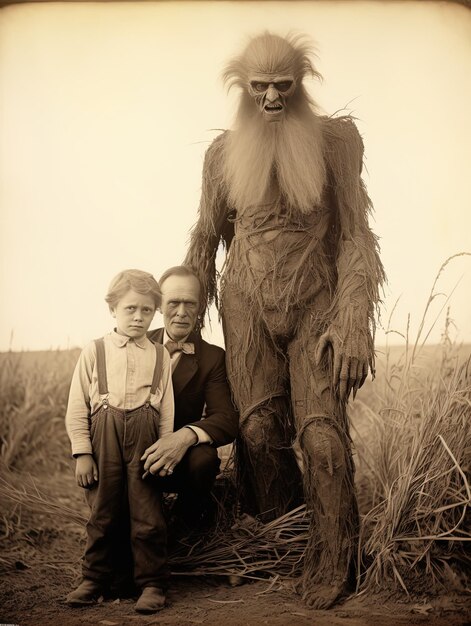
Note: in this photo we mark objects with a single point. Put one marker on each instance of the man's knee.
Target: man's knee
(202, 466)
(323, 446)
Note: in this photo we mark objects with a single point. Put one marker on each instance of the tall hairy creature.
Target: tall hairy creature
(283, 192)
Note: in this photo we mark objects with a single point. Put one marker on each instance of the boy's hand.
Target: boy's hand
(86, 471)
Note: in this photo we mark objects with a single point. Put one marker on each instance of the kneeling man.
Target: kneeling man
(205, 417)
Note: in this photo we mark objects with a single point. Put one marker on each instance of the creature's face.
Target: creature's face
(271, 93)
(180, 305)
(133, 314)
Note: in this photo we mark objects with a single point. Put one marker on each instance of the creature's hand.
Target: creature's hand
(350, 361)
(86, 471)
(162, 456)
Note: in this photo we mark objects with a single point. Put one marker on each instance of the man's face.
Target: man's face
(271, 94)
(180, 305)
(133, 313)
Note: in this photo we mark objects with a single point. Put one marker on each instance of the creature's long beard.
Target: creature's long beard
(290, 149)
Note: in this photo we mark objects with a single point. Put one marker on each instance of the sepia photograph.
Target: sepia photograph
(235, 333)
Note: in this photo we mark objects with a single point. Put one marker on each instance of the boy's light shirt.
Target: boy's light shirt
(202, 435)
(130, 369)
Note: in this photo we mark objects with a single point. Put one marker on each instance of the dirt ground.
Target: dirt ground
(35, 597)
(44, 565)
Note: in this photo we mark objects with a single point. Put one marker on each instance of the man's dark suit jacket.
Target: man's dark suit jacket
(200, 383)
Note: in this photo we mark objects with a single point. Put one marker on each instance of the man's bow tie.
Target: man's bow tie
(176, 346)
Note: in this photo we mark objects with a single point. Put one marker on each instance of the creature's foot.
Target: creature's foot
(321, 596)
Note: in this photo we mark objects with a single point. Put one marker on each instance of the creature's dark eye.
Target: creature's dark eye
(259, 87)
(284, 86)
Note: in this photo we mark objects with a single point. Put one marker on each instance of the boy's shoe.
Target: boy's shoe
(86, 593)
(151, 600)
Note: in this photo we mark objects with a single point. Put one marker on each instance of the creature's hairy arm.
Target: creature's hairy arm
(360, 273)
(211, 226)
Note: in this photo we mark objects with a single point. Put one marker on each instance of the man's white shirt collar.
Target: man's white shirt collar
(167, 337)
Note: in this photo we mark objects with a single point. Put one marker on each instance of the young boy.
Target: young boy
(120, 403)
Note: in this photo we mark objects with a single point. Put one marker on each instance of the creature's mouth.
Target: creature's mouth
(273, 108)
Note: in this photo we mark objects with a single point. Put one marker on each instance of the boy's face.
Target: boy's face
(133, 314)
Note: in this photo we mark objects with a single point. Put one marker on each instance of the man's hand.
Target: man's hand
(350, 362)
(162, 456)
(86, 471)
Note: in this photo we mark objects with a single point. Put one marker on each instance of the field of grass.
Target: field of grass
(412, 435)
(34, 389)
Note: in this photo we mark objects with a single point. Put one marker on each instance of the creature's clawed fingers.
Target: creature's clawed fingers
(324, 343)
(354, 376)
(344, 379)
(364, 374)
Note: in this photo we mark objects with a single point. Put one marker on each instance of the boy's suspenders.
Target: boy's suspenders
(101, 367)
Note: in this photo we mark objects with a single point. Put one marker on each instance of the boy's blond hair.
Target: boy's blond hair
(137, 280)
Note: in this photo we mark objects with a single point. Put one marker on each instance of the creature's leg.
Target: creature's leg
(267, 472)
(323, 436)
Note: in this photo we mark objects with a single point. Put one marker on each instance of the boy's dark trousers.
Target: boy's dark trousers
(119, 439)
(193, 479)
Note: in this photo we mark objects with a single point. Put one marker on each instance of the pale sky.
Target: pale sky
(106, 111)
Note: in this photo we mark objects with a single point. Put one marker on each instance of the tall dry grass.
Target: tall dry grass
(34, 390)
(413, 441)
(416, 475)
